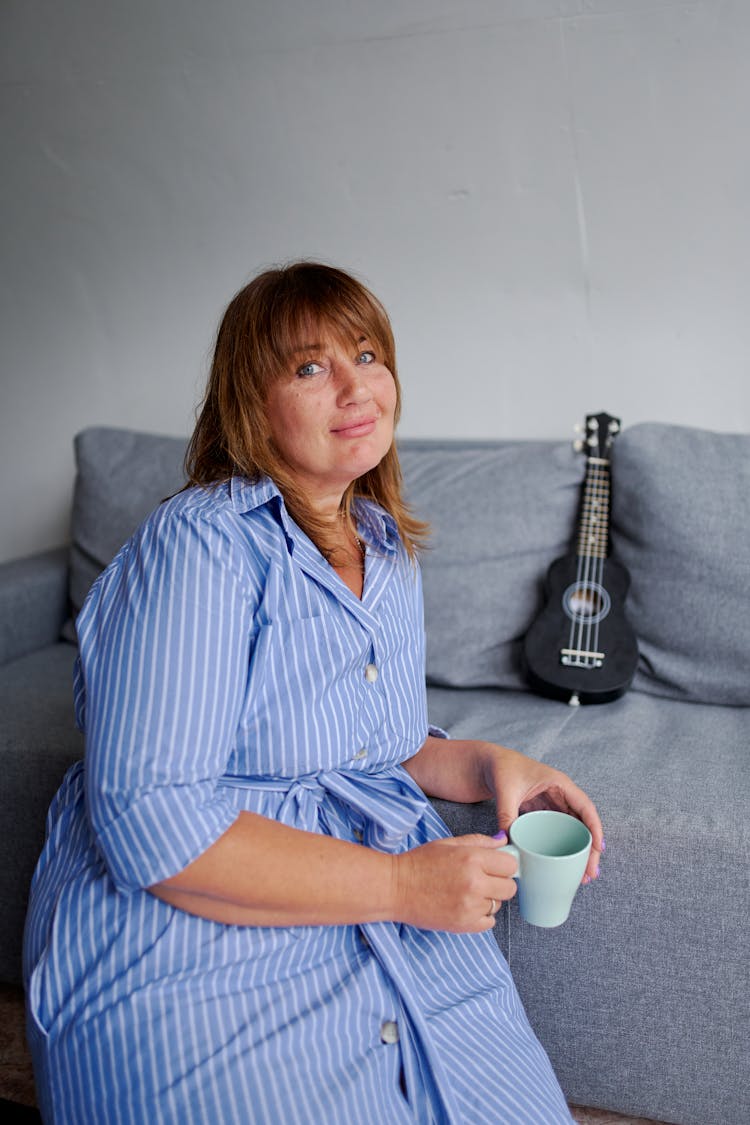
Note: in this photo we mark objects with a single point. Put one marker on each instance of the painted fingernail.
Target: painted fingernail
(501, 836)
(604, 844)
(597, 873)
(586, 880)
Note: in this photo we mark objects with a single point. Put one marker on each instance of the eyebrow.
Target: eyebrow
(306, 348)
(319, 347)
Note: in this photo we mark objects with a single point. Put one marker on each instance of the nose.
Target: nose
(353, 385)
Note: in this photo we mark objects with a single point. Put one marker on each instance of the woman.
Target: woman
(246, 909)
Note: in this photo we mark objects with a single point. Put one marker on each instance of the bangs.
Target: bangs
(309, 306)
(282, 310)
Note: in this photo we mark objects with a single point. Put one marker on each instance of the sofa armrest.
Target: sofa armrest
(33, 602)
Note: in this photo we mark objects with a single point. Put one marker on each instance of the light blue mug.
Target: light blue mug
(552, 850)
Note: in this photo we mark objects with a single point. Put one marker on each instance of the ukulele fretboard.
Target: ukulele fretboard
(593, 531)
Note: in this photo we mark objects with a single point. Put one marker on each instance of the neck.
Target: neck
(327, 506)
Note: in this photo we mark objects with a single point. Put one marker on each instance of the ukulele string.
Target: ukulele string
(596, 542)
(583, 584)
(590, 563)
(602, 525)
(575, 606)
(574, 613)
(593, 514)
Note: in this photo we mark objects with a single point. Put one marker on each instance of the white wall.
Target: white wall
(552, 197)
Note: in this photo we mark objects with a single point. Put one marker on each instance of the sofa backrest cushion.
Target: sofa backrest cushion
(500, 513)
(121, 475)
(681, 525)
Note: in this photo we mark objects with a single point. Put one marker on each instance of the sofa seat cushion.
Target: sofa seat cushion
(656, 953)
(38, 741)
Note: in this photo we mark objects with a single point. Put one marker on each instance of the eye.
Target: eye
(366, 357)
(308, 369)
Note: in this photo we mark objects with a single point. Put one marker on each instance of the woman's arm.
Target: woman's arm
(450, 769)
(468, 770)
(264, 873)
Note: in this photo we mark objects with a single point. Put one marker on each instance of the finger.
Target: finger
(584, 808)
(593, 867)
(501, 890)
(576, 809)
(546, 800)
(499, 896)
(506, 889)
(503, 865)
(508, 805)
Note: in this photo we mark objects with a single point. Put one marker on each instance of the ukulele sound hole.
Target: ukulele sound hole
(586, 603)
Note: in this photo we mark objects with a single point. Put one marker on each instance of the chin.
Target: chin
(372, 462)
(366, 456)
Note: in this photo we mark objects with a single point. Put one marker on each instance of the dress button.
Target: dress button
(389, 1031)
(371, 673)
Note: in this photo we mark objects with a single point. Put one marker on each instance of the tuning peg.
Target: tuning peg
(593, 441)
(594, 424)
(614, 426)
(578, 428)
(578, 445)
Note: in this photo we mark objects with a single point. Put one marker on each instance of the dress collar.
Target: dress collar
(376, 526)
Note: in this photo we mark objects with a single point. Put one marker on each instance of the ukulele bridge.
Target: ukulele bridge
(581, 658)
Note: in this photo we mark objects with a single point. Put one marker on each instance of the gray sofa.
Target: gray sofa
(643, 997)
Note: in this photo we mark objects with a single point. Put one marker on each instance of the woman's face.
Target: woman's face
(331, 416)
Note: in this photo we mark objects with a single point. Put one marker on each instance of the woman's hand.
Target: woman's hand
(469, 770)
(454, 884)
(520, 784)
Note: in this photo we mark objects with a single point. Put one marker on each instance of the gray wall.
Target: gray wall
(552, 197)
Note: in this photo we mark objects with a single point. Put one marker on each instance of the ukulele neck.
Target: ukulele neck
(593, 529)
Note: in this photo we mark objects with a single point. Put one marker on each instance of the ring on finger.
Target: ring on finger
(493, 909)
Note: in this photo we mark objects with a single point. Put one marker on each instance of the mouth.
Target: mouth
(356, 429)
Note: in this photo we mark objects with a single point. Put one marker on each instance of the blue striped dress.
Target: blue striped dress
(223, 666)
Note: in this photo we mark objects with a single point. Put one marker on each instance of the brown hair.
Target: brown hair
(262, 325)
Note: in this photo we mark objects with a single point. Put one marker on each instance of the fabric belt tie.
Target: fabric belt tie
(388, 803)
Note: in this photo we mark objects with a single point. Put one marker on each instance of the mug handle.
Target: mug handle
(512, 850)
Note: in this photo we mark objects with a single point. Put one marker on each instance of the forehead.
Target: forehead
(321, 332)
(341, 321)
(326, 341)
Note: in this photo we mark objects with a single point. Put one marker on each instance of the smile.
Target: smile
(357, 429)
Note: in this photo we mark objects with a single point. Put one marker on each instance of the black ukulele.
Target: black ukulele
(581, 648)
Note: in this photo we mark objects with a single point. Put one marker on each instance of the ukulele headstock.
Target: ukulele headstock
(601, 430)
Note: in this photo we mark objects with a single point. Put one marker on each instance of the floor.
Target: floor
(17, 1083)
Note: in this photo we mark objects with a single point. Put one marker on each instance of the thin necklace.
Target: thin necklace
(362, 551)
(359, 542)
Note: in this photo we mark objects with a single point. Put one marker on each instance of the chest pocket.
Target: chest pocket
(399, 657)
(303, 696)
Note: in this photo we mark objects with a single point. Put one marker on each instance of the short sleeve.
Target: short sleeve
(165, 639)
